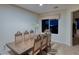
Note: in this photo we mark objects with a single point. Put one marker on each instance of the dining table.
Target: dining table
(22, 47)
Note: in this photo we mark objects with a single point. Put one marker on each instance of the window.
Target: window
(54, 26)
(51, 24)
(45, 24)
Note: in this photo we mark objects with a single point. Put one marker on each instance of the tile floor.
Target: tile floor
(62, 49)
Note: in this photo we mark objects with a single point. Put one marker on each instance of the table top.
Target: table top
(21, 47)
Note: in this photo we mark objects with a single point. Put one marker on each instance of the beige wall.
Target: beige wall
(60, 15)
(65, 24)
(13, 19)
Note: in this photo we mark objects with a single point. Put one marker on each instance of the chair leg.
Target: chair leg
(41, 52)
(46, 49)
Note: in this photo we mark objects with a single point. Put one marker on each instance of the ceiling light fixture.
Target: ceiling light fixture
(41, 4)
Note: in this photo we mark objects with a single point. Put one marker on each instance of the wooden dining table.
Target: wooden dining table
(21, 47)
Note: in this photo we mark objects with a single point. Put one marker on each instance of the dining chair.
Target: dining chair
(18, 37)
(31, 31)
(26, 35)
(44, 43)
(36, 47)
(48, 33)
(49, 41)
(31, 34)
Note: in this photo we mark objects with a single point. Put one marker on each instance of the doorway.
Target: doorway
(75, 28)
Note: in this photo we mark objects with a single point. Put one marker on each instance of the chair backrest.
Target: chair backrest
(31, 34)
(47, 31)
(37, 45)
(31, 31)
(18, 37)
(49, 40)
(26, 35)
(44, 41)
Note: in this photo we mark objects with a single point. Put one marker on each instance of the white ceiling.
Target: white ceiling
(36, 8)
